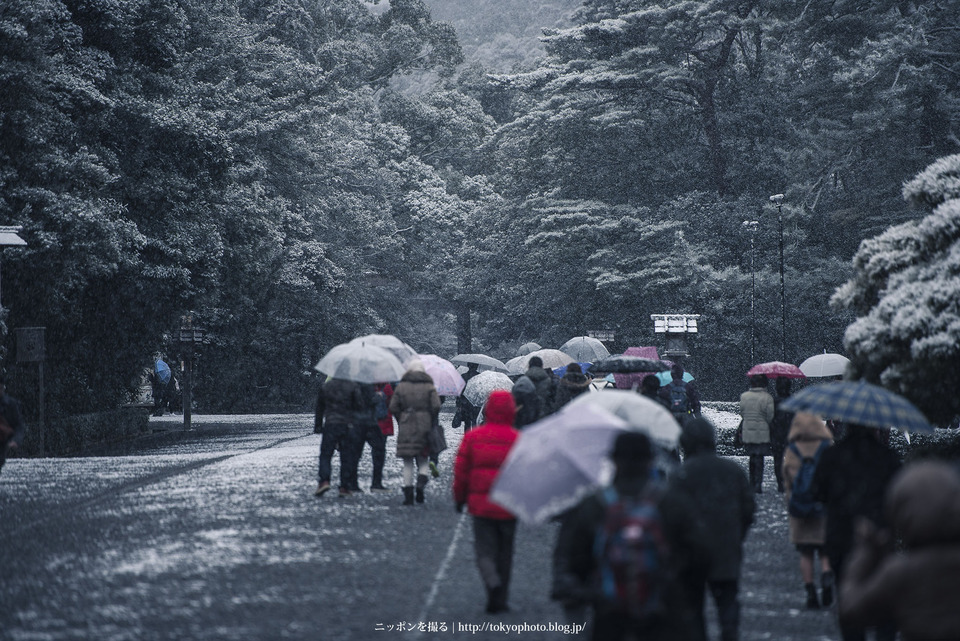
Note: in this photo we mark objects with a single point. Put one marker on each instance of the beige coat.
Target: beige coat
(415, 403)
(807, 432)
(756, 408)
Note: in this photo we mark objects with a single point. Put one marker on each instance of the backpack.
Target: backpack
(679, 402)
(630, 551)
(802, 503)
(381, 412)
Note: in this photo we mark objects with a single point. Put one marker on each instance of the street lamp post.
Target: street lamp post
(752, 226)
(778, 199)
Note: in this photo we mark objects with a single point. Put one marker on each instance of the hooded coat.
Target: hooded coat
(807, 432)
(723, 497)
(918, 589)
(571, 385)
(482, 451)
(415, 403)
(527, 400)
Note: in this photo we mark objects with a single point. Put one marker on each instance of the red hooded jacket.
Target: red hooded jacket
(482, 451)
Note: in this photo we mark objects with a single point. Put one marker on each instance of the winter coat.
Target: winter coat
(723, 496)
(918, 588)
(415, 403)
(338, 403)
(527, 401)
(756, 408)
(482, 451)
(576, 562)
(693, 396)
(543, 381)
(780, 425)
(807, 432)
(850, 481)
(571, 385)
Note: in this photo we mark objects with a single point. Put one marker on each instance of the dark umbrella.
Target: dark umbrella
(860, 403)
(623, 364)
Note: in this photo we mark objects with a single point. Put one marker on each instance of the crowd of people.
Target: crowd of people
(644, 552)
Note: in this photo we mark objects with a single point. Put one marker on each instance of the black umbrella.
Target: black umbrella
(627, 364)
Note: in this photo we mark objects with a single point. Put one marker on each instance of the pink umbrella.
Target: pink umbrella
(776, 369)
(445, 376)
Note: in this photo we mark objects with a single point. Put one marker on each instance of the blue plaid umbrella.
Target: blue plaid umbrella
(861, 403)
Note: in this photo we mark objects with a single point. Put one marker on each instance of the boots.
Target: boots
(826, 584)
(408, 495)
(421, 483)
(812, 602)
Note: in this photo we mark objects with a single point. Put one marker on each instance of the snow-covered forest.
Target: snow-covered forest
(293, 173)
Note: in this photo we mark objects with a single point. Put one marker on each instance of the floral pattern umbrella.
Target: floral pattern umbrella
(479, 387)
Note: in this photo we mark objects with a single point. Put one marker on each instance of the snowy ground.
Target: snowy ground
(215, 534)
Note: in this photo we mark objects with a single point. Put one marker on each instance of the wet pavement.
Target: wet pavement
(215, 533)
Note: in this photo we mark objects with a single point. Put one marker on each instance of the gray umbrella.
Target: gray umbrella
(585, 349)
(485, 362)
(391, 343)
(361, 363)
(526, 348)
(479, 387)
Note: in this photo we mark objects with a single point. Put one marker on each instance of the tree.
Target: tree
(906, 294)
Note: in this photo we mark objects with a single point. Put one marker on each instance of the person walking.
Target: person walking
(851, 480)
(482, 451)
(724, 500)
(466, 412)
(527, 401)
(573, 383)
(639, 513)
(338, 405)
(780, 427)
(416, 405)
(544, 382)
(650, 387)
(914, 590)
(368, 425)
(808, 436)
(682, 397)
(12, 427)
(757, 411)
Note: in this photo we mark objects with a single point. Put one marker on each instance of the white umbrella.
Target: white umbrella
(556, 462)
(641, 413)
(482, 360)
(445, 376)
(517, 365)
(825, 364)
(390, 343)
(551, 357)
(361, 363)
(479, 387)
(526, 348)
(585, 349)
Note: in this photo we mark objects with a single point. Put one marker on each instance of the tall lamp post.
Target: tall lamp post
(752, 226)
(778, 200)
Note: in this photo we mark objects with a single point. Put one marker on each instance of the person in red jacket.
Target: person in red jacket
(482, 451)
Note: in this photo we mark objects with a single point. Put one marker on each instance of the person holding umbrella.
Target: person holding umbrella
(339, 403)
(482, 452)
(416, 405)
(757, 411)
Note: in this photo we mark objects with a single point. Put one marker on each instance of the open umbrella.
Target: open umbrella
(585, 349)
(445, 376)
(556, 462)
(163, 371)
(641, 413)
(776, 369)
(485, 362)
(479, 387)
(526, 348)
(861, 403)
(623, 364)
(560, 371)
(517, 365)
(825, 364)
(361, 363)
(389, 342)
(666, 377)
(551, 357)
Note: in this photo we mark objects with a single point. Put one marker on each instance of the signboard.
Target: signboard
(602, 335)
(30, 344)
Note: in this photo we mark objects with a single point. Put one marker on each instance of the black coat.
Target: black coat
(724, 500)
(338, 402)
(544, 383)
(571, 385)
(851, 481)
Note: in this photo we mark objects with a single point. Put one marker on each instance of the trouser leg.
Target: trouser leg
(756, 471)
(506, 532)
(695, 590)
(328, 445)
(485, 544)
(378, 452)
(778, 465)
(348, 456)
(728, 608)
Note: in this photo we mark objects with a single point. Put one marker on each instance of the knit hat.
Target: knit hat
(500, 408)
